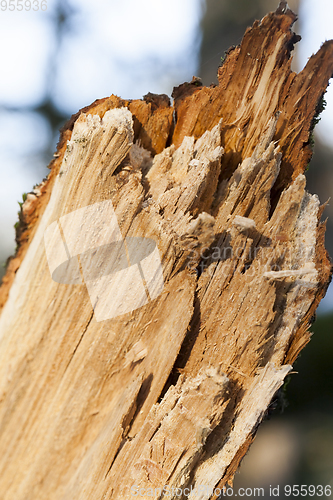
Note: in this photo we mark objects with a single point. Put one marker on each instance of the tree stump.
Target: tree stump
(156, 369)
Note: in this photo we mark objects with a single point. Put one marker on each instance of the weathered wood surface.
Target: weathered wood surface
(170, 393)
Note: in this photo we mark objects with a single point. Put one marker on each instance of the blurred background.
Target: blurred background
(57, 60)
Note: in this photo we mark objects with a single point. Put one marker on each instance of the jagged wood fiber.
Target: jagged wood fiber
(171, 393)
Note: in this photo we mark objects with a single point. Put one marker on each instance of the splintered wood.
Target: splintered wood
(169, 394)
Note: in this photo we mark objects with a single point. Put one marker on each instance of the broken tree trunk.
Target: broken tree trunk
(101, 393)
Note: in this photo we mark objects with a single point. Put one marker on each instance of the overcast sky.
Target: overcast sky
(316, 27)
(127, 48)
